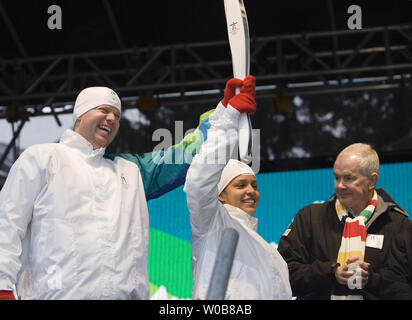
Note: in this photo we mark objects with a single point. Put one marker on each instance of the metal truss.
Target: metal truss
(309, 63)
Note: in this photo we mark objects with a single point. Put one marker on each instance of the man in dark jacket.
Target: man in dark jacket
(311, 244)
(396, 283)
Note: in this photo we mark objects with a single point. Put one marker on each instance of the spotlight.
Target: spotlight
(15, 111)
(147, 103)
(282, 102)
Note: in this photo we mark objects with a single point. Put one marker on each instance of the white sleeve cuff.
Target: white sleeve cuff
(226, 116)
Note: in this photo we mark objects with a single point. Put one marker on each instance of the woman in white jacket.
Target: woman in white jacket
(223, 193)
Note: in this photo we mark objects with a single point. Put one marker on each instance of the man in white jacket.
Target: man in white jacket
(223, 193)
(73, 220)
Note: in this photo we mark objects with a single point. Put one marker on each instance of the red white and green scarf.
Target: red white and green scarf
(354, 233)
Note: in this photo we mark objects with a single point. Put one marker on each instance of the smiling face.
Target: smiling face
(242, 192)
(353, 189)
(99, 125)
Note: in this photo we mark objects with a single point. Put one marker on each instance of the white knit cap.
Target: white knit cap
(232, 169)
(93, 97)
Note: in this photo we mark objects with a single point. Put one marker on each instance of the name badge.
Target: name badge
(285, 234)
(374, 241)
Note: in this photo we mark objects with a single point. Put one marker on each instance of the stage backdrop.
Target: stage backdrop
(282, 194)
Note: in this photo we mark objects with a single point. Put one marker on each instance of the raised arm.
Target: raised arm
(205, 170)
(165, 170)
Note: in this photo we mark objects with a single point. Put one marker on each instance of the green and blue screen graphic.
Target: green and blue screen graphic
(282, 195)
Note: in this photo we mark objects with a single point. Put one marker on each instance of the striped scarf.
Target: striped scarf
(354, 233)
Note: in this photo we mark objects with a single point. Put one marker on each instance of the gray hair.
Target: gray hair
(368, 157)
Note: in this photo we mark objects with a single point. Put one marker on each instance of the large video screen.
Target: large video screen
(282, 194)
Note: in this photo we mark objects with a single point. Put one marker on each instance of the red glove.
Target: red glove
(245, 100)
(6, 295)
(230, 89)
